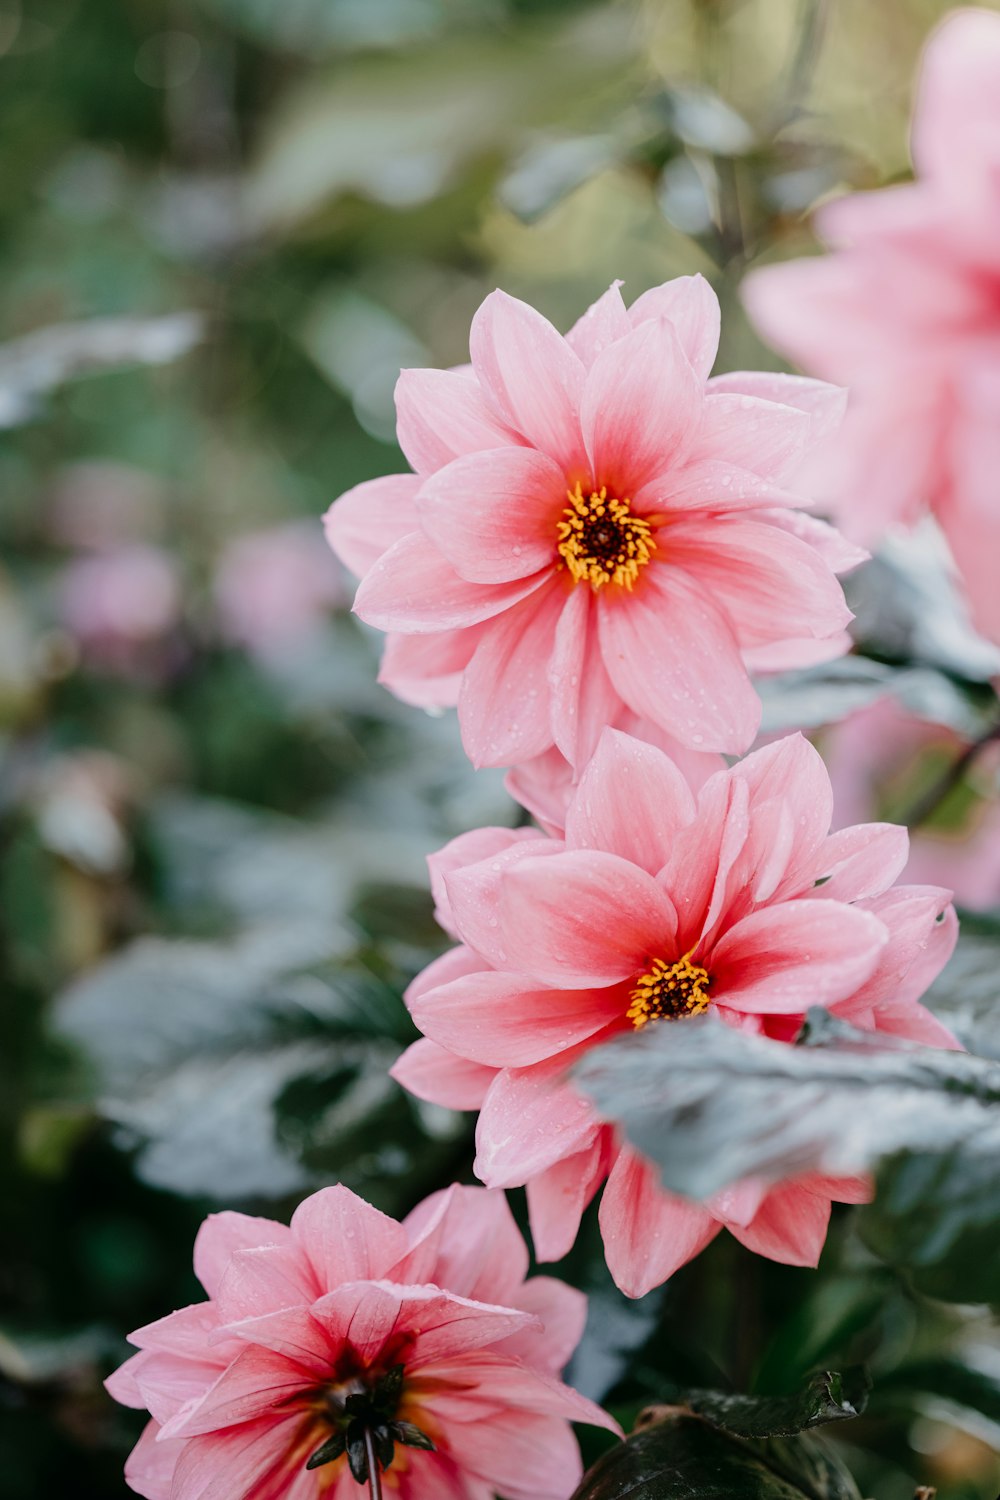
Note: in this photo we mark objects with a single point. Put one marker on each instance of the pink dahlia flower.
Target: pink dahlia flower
(426, 1332)
(659, 905)
(594, 528)
(906, 311)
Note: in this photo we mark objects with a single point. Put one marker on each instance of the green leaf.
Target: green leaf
(711, 1105)
(684, 1457)
(827, 1397)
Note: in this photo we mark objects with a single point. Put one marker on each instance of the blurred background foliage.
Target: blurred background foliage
(224, 226)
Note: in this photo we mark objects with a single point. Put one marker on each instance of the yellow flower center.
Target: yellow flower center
(601, 541)
(669, 991)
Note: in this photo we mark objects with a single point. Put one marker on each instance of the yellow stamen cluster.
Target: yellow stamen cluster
(601, 541)
(669, 991)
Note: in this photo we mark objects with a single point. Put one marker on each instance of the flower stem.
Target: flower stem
(374, 1477)
(932, 799)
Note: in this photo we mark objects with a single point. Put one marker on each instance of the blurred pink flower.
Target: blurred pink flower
(659, 905)
(906, 312)
(273, 587)
(874, 756)
(245, 1388)
(120, 604)
(596, 527)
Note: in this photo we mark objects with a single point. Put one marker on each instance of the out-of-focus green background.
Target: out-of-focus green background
(213, 821)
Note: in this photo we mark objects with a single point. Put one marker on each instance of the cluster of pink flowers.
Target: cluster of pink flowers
(906, 312)
(597, 546)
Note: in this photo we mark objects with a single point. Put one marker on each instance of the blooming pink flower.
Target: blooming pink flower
(907, 313)
(273, 587)
(595, 527)
(658, 905)
(245, 1388)
(885, 755)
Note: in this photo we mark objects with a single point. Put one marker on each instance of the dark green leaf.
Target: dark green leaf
(683, 1457)
(406, 1432)
(331, 1449)
(357, 1451)
(828, 1397)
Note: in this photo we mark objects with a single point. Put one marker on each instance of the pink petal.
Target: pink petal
(222, 1234)
(431, 1073)
(789, 655)
(441, 414)
(790, 1227)
(543, 786)
(368, 1314)
(426, 670)
(441, 970)
(923, 930)
(469, 849)
(839, 555)
(504, 706)
(498, 1020)
(122, 1385)
(863, 860)
(562, 1312)
(583, 699)
(256, 1458)
(558, 1196)
(256, 1382)
(366, 521)
(583, 919)
(957, 113)
(771, 584)
(711, 485)
(495, 515)
(521, 1455)
(292, 1332)
(529, 375)
(631, 800)
(639, 409)
(529, 1120)
(413, 588)
(824, 403)
(604, 321)
(704, 853)
(782, 959)
(345, 1238)
(149, 1468)
(673, 657)
(263, 1280)
(792, 770)
(752, 434)
(474, 896)
(189, 1331)
(465, 1239)
(916, 1024)
(689, 303)
(648, 1233)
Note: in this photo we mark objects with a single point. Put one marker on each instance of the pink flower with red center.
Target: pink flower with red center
(425, 1334)
(906, 311)
(658, 905)
(595, 528)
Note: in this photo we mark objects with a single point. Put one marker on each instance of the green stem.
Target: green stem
(932, 799)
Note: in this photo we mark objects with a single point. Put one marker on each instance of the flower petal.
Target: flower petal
(709, 484)
(640, 408)
(426, 670)
(583, 699)
(648, 1233)
(752, 434)
(441, 414)
(783, 959)
(494, 515)
(558, 1196)
(604, 321)
(431, 1073)
(690, 304)
(824, 403)
(504, 705)
(366, 521)
(370, 1313)
(673, 657)
(530, 1119)
(468, 849)
(863, 860)
(222, 1234)
(344, 1237)
(529, 375)
(583, 918)
(465, 1239)
(789, 1227)
(474, 896)
(631, 800)
(413, 588)
(497, 1020)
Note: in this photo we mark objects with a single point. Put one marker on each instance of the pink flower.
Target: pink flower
(906, 311)
(594, 527)
(121, 605)
(274, 587)
(246, 1388)
(660, 904)
(884, 756)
